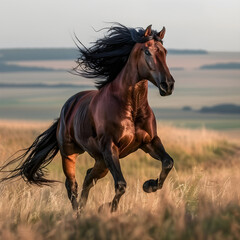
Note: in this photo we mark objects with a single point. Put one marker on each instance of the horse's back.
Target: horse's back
(76, 104)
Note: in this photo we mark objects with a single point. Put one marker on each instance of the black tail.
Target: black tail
(35, 158)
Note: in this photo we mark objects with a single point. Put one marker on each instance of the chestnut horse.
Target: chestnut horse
(110, 122)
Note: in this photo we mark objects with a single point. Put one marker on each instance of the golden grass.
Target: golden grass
(200, 199)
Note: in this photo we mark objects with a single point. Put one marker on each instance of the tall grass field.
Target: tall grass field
(199, 200)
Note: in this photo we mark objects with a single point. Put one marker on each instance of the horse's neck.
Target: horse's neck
(138, 94)
(129, 89)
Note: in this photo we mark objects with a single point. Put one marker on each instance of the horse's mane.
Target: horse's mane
(108, 55)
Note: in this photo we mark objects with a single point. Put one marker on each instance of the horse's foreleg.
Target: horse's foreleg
(71, 183)
(93, 174)
(156, 150)
(111, 158)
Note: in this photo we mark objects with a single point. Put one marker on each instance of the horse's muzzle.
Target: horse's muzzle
(166, 87)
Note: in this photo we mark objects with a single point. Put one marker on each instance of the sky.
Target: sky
(212, 25)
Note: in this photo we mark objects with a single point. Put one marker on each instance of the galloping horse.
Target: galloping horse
(110, 122)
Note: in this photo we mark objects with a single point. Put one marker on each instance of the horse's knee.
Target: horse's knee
(120, 188)
(168, 163)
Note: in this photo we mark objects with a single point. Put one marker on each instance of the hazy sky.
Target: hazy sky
(190, 24)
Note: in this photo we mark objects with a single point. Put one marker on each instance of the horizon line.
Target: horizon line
(177, 49)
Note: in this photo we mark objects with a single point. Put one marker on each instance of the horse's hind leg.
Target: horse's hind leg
(68, 163)
(157, 151)
(93, 174)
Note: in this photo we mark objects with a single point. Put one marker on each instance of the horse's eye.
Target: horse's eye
(147, 52)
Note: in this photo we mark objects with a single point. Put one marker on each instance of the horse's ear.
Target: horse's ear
(148, 31)
(162, 33)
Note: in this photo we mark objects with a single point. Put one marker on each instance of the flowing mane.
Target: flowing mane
(108, 55)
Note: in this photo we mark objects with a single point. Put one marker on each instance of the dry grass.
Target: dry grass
(200, 199)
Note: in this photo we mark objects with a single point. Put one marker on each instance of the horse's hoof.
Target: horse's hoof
(150, 186)
(106, 207)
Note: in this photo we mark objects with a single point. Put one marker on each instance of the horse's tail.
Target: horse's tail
(32, 163)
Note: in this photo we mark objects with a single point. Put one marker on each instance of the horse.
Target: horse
(110, 122)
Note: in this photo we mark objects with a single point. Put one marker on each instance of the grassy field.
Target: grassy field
(200, 198)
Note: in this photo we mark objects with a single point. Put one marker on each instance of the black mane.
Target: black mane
(107, 56)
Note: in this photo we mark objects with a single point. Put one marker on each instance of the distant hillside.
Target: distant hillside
(59, 54)
(186, 51)
(176, 68)
(222, 108)
(14, 68)
(43, 85)
(38, 54)
(230, 65)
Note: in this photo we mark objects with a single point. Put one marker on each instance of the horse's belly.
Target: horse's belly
(128, 144)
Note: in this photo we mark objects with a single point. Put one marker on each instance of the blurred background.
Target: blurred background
(37, 51)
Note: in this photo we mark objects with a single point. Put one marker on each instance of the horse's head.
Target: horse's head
(152, 62)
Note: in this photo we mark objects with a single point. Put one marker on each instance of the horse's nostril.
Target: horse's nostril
(167, 86)
(164, 86)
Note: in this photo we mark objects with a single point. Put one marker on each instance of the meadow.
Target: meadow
(200, 198)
